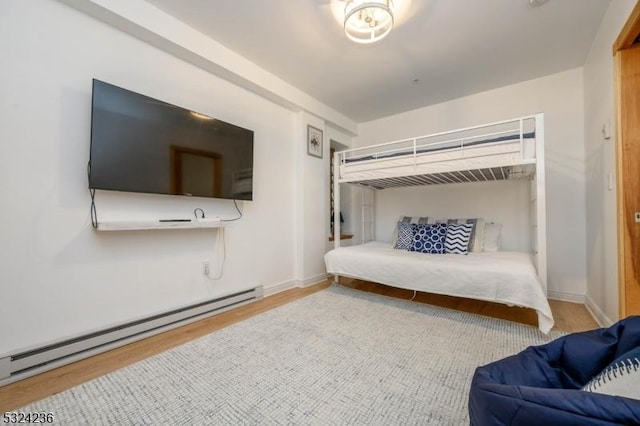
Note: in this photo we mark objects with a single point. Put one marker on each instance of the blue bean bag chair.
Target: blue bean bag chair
(543, 384)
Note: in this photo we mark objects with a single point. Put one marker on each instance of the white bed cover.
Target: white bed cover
(503, 277)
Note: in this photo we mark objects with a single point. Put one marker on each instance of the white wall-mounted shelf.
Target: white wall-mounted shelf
(148, 225)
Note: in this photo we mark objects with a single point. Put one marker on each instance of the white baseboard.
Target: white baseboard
(566, 297)
(313, 280)
(277, 288)
(597, 313)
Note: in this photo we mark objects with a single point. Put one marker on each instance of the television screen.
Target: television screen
(141, 144)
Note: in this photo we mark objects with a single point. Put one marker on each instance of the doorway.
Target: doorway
(195, 172)
(626, 52)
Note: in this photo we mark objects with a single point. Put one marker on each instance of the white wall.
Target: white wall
(58, 277)
(313, 195)
(601, 241)
(501, 201)
(560, 98)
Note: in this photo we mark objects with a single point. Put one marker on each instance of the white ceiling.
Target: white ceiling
(453, 47)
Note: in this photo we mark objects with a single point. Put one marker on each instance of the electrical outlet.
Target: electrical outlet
(205, 267)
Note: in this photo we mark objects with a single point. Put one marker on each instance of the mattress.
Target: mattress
(504, 277)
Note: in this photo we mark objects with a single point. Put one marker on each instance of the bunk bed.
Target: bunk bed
(504, 150)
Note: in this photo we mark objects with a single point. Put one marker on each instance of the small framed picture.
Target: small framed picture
(314, 141)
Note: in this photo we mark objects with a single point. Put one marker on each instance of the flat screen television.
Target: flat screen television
(141, 144)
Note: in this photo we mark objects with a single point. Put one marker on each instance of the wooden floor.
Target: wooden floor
(569, 317)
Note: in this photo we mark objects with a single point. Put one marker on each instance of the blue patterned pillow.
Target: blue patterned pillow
(429, 238)
(408, 220)
(458, 237)
(405, 236)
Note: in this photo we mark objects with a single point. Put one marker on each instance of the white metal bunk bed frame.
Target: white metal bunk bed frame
(533, 167)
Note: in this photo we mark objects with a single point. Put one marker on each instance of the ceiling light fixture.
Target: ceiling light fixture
(367, 21)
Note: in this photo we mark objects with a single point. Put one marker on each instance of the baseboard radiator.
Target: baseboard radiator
(33, 361)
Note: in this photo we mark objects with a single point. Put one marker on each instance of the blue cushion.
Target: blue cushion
(543, 384)
(405, 236)
(429, 238)
(458, 237)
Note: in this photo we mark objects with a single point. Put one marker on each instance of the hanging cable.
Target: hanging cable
(224, 256)
(92, 193)
(195, 213)
(414, 295)
(235, 203)
(224, 241)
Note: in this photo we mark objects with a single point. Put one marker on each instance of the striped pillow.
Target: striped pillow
(458, 237)
(475, 242)
(414, 219)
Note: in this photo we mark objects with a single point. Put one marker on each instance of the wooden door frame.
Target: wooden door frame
(625, 40)
(629, 32)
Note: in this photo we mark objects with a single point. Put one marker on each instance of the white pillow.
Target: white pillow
(620, 378)
(491, 236)
(475, 245)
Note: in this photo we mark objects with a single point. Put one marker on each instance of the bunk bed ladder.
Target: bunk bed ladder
(521, 138)
(336, 200)
(539, 241)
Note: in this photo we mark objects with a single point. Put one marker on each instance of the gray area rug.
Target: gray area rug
(338, 356)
